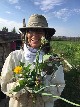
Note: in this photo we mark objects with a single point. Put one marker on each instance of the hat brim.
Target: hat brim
(49, 31)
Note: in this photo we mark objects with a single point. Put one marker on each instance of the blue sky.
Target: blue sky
(63, 15)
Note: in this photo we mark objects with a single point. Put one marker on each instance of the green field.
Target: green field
(70, 50)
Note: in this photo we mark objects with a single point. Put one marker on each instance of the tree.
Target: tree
(14, 30)
(5, 29)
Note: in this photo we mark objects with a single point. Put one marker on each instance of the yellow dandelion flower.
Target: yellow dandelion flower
(18, 69)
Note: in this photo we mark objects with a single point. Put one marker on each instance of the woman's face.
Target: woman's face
(34, 37)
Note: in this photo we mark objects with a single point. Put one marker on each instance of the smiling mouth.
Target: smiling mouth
(35, 40)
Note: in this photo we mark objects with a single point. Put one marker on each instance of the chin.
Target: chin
(34, 46)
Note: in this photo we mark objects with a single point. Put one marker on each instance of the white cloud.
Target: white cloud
(13, 1)
(65, 13)
(47, 5)
(62, 14)
(9, 24)
(18, 7)
(76, 11)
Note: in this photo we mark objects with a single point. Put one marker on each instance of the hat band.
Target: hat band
(37, 24)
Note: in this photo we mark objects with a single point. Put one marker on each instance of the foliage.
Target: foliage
(14, 30)
(72, 89)
(5, 29)
(30, 77)
(70, 50)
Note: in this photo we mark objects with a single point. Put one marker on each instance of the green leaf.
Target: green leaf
(22, 82)
(46, 57)
(22, 64)
(27, 69)
(18, 88)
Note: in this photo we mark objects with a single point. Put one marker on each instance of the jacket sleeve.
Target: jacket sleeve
(6, 76)
(56, 79)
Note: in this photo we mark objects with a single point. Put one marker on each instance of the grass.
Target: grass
(71, 52)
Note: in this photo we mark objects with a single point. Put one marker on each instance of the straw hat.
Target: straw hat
(38, 22)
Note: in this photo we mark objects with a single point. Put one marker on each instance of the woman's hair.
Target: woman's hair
(46, 47)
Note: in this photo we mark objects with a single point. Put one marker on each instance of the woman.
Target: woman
(36, 29)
